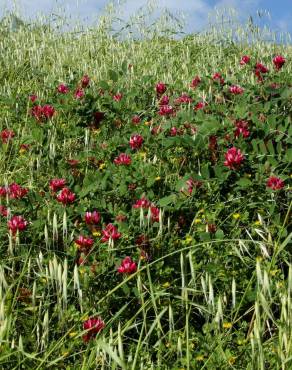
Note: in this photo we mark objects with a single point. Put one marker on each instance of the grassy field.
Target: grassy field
(145, 198)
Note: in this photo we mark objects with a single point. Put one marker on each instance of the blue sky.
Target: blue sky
(195, 11)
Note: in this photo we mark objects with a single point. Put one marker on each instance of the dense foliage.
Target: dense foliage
(145, 202)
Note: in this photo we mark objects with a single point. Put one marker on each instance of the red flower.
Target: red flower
(3, 191)
(136, 141)
(24, 147)
(79, 93)
(259, 70)
(42, 113)
(93, 326)
(33, 98)
(66, 196)
(166, 110)
(110, 232)
(183, 99)
(154, 213)
(236, 89)
(17, 223)
(92, 218)
(118, 97)
(275, 183)
(244, 60)
(164, 100)
(98, 117)
(233, 158)
(85, 80)
(279, 61)
(37, 112)
(63, 89)
(191, 184)
(195, 82)
(136, 119)
(160, 88)
(213, 145)
(217, 77)
(142, 203)
(123, 159)
(48, 111)
(57, 184)
(84, 244)
(212, 228)
(200, 105)
(241, 128)
(6, 135)
(156, 130)
(173, 131)
(16, 191)
(3, 211)
(73, 162)
(128, 266)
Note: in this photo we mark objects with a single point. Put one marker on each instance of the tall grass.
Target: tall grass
(187, 323)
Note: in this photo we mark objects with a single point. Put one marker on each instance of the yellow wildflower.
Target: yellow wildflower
(102, 166)
(227, 325)
(231, 360)
(188, 239)
(236, 216)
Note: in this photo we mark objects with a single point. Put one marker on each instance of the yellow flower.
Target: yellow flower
(148, 123)
(257, 223)
(197, 221)
(22, 151)
(274, 272)
(73, 334)
(142, 155)
(65, 353)
(227, 325)
(157, 178)
(96, 233)
(188, 239)
(102, 166)
(166, 285)
(236, 216)
(97, 131)
(200, 358)
(231, 360)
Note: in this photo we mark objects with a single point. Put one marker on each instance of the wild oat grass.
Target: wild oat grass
(202, 297)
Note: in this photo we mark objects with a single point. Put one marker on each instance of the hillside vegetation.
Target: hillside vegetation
(145, 199)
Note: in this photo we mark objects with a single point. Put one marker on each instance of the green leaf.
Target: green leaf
(219, 234)
(244, 182)
(113, 75)
(104, 85)
(167, 200)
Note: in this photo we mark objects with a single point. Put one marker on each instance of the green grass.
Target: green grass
(203, 300)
